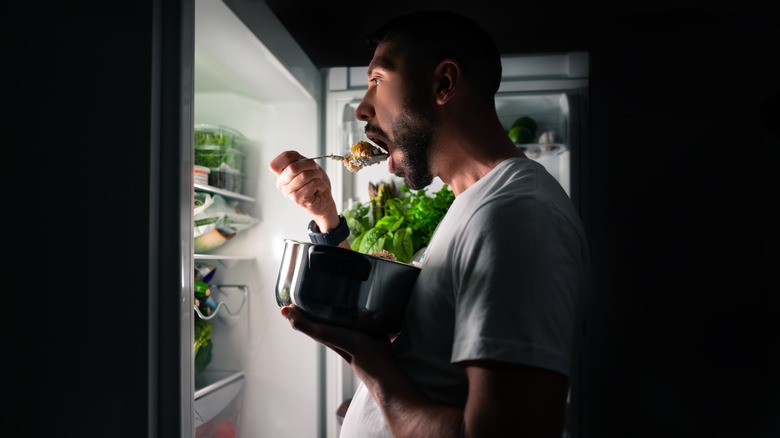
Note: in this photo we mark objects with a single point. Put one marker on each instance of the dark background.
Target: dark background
(679, 196)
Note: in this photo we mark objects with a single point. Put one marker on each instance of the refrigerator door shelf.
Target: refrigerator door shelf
(227, 261)
(218, 395)
(228, 307)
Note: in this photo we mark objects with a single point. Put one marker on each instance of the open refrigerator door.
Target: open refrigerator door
(255, 95)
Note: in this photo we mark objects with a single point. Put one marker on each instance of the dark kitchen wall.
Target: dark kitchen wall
(90, 161)
(682, 330)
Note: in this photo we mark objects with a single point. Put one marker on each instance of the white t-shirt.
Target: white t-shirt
(503, 278)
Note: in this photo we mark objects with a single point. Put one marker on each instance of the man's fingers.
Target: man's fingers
(281, 161)
(339, 339)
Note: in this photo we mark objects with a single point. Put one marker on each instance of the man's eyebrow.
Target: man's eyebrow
(381, 62)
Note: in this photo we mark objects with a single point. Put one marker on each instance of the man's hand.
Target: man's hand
(306, 184)
(359, 349)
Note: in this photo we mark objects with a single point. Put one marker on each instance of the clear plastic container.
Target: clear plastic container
(227, 178)
(219, 147)
(218, 405)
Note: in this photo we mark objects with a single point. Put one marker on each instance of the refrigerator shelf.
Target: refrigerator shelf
(215, 391)
(222, 192)
(537, 150)
(228, 261)
(225, 310)
(210, 381)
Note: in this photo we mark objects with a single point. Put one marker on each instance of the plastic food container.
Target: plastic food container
(218, 135)
(218, 401)
(219, 147)
(201, 175)
(226, 178)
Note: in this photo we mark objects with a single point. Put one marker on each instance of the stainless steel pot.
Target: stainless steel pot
(345, 287)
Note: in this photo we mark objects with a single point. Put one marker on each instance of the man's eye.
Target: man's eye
(374, 80)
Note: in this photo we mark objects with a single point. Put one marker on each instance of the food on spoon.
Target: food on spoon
(364, 149)
(361, 149)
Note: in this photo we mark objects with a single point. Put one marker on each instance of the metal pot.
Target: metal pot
(344, 287)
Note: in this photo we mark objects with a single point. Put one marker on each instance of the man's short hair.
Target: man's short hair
(444, 34)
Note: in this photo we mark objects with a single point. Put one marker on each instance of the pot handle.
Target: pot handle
(339, 261)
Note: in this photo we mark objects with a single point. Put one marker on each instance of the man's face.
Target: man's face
(399, 115)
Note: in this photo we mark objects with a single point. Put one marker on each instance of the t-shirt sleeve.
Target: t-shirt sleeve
(515, 285)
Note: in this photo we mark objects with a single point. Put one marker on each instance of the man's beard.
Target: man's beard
(414, 136)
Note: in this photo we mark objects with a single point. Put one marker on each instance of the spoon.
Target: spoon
(356, 162)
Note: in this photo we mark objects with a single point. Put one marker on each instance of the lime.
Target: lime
(526, 122)
(520, 135)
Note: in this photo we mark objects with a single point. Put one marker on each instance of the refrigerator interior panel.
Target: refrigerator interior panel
(241, 84)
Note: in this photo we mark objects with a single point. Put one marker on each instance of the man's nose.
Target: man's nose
(364, 111)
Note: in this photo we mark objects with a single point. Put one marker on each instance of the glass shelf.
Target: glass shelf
(209, 381)
(217, 394)
(225, 193)
(228, 261)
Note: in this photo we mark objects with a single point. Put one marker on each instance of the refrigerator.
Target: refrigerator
(250, 76)
(107, 108)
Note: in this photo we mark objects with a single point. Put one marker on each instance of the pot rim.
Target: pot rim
(308, 244)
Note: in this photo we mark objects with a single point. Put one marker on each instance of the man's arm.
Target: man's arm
(503, 398)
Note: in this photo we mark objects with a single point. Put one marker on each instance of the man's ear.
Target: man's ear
(445, 80)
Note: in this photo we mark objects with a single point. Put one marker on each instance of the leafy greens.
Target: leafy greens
(401, 225)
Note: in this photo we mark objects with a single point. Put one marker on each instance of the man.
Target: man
(487, 343)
